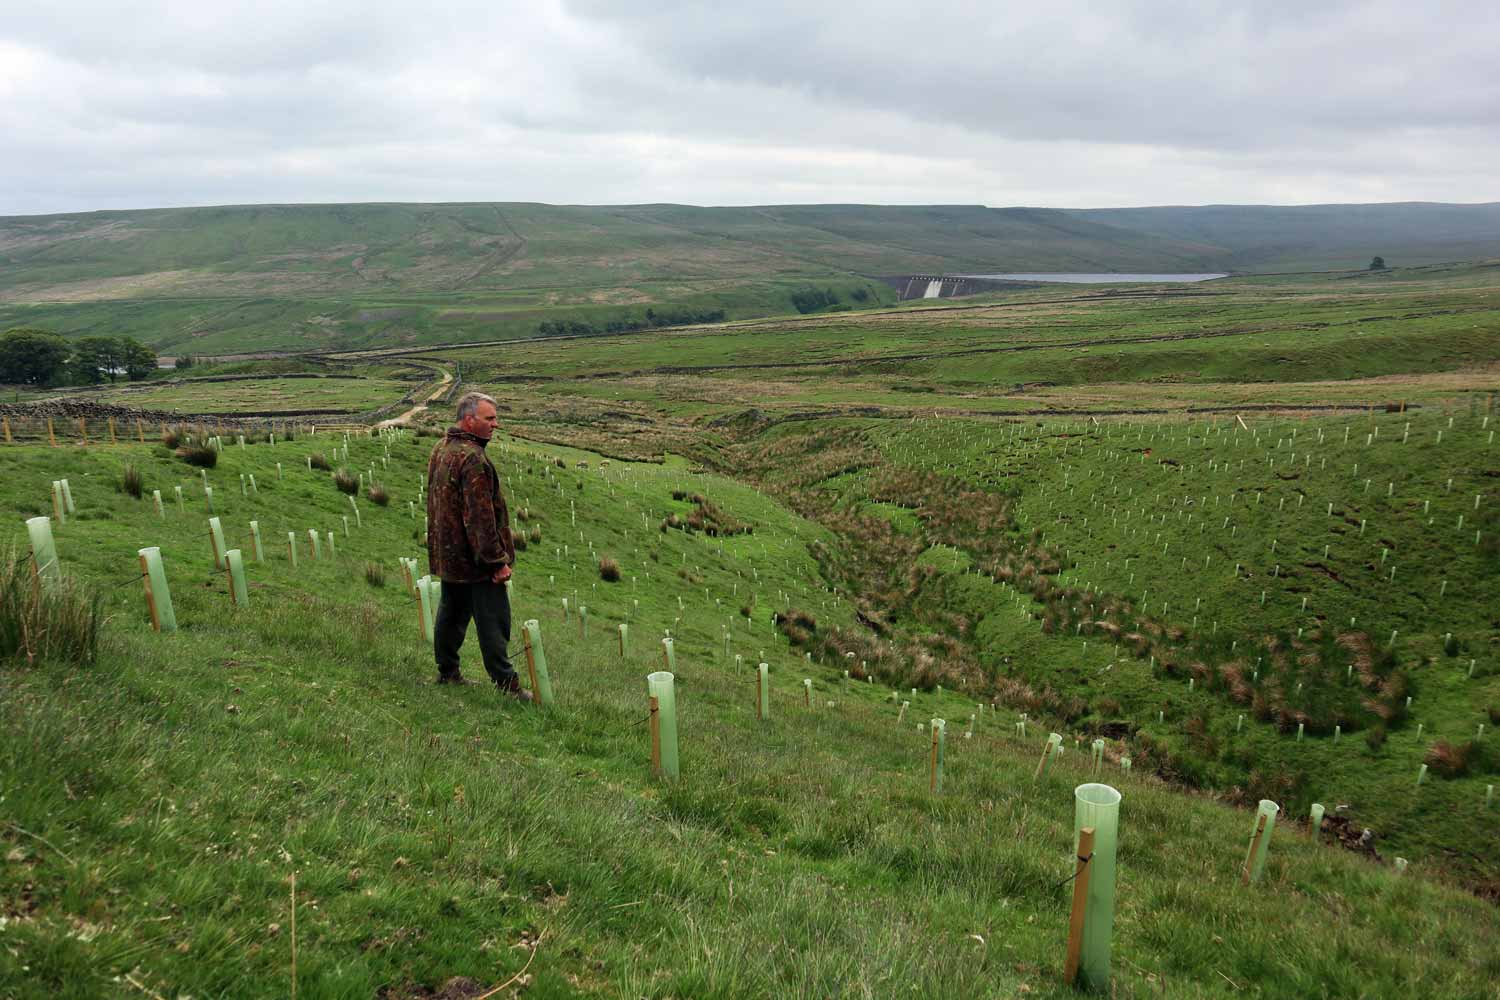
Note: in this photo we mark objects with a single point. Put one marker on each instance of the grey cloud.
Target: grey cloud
(1128, 103)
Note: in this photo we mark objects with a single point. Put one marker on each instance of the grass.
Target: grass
(158, 802)
(155, 803)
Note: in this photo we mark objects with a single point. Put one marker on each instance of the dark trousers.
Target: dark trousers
(489, 606)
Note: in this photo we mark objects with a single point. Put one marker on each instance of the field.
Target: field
(1205, 526)
(160, 801)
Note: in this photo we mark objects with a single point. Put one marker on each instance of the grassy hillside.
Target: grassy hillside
(1248, 609)
(237, 279)
(158, 802)
(1311, 237)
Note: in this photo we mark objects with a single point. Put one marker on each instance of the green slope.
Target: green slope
(1308, 237)
(158, 803)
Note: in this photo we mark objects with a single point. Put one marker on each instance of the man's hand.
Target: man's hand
(501, 575)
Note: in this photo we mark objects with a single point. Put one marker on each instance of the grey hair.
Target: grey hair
(469, 402)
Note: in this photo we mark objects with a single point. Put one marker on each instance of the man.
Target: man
(469, 547)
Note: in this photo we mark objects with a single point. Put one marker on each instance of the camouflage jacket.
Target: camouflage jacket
(468, 524)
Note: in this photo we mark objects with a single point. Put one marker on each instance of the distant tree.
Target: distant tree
(1377, 264)
(184, 361)
(809, 299)
(138, 360)
(96, 358)
(32, 357)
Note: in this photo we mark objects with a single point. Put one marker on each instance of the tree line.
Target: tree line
(41, 358)
(652, 320)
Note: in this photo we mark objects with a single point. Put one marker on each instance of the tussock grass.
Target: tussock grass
(345, 481)
(201, 455)
(42, 622)
(131, 482)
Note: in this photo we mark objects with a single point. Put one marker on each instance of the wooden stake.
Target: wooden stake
(140, 431)
(150, 597)
(229, 575)
(1260, 827)
(112, 439)
(6, 421)
(1046, 752)
(51, 436)
(83, 430)
(530, 658)
(1080, 903)
(655, 726)
(294, 936)
(932, 764)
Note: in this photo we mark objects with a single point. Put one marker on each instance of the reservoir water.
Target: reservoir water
(1094, 279)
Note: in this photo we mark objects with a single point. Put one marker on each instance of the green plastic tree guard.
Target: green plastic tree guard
(43, 549)
(763, 691)
(538, 661)
(216, 541)
(1098, 748)
(156, 500)
(244, 486)
(669, 655)
(1260, 846)
(624, 639)
(583, 621)
(255, 546)
(661, 687)
(939, 742)
(237, 589)
(1489, 795)
(158, 597)
(317, 543)
(1097, 806)
(1050, 750)
(424, 609)
(68, 496)
(1124, 763)
(291, 548)
(434, 598)
(332, 552)
(1315, 819)
(1422, 774)
(59, 507)
(208, 498)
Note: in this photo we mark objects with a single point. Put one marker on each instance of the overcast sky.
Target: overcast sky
(1058, 103)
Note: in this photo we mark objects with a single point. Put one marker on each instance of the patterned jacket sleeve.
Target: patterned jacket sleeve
(479, 513)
